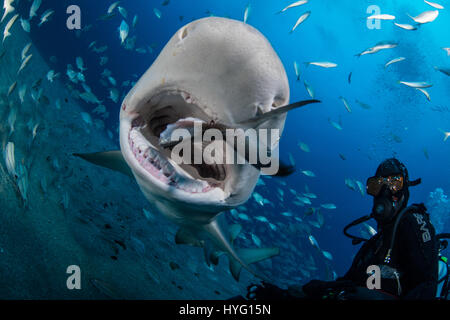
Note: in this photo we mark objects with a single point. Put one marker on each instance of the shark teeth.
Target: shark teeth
(160, 168)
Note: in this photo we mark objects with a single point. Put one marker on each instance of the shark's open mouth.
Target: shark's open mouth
(158, 117)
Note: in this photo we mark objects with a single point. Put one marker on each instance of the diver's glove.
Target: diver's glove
(267, 291)
(317, 289)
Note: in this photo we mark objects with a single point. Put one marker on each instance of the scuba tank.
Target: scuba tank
(443, 286)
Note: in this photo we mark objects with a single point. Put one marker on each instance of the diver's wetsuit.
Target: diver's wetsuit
(414, 256)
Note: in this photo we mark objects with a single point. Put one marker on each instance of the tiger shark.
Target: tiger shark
(217, 70)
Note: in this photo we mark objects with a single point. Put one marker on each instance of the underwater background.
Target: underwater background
(59, 211)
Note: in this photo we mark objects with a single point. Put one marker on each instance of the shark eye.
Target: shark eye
(278, 101)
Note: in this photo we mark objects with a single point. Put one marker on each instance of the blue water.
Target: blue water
(335, 31)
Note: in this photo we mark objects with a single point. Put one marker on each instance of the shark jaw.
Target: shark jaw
(205, 187)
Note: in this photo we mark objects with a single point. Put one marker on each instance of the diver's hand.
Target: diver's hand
(267, 291)
(318, 289)
(315, 288)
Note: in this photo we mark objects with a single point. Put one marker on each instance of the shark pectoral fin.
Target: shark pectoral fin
(185, 236)
(109, 159)
(217, 235)
(284, 169)
(234, 230)
(235, 268)
(250, 256)
(258, 119)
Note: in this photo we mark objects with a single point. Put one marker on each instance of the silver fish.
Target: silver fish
(304, 147)
(7, 5)
(113, 6)
(416, 84)
(381, 17)
(158, 13)
(350, 184)
(329, 206)
(45, 16)
(425, 93)
(308, 173)
(25, 50)
(123, 31)
(327, 255)
(246, 13)
(80, 64)
(394, 61)
(256, 240)
(22, 91)
(34, 131)
(313, 241)
(8, 26)
(324, 64)
(10, 159)
(309, 89)
(25, 25)
(370, 230)
(302, 18)
(295, 4)
(34, 8)
(297, 70)
(51, 75)
(426, 17)
(445, 71)
(405, 26)
(360, 187)
(123, 12)
(114, 95)
(446, 135)
(378, 47)
(363, 105)
(11, 88)
(335, 124)
(346, 104)
(24, 63)
(434, 5)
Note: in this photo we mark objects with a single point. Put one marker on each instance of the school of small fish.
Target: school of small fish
(311, 211)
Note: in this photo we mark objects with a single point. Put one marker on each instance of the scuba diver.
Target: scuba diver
(405, 248)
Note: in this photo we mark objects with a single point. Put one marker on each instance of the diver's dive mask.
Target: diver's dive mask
(375, 184)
